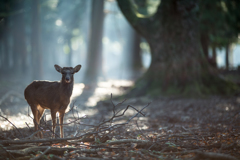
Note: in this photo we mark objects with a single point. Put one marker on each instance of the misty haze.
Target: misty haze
(153, 79)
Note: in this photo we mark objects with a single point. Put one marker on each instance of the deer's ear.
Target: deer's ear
(58, 68)
(77, 68)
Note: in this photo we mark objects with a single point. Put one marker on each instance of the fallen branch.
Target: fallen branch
(49, 150)
(98, 134)
(213, 156)
(57, 140)
(38, 157)
(16, 147)
(5, 151)
(128, 141)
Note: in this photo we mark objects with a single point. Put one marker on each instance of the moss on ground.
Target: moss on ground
(208, 85)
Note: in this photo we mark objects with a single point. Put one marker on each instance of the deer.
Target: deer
(53, 95)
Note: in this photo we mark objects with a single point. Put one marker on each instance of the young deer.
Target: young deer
(55, 96)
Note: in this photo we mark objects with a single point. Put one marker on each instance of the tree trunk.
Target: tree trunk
(19, 44)
(94, 59)
(205, 43)
(6, 60)
(35, 39)
(178, 66)
(214, 57)
(136, 56)
(70, 51)
(230, 57)
(177, 62)
(16, 45)
(22, 43)
(1, 55)
(227, 57)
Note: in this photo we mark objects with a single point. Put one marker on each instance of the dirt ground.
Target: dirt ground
(179, 128)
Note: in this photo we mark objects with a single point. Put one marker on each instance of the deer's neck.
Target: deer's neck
(66, 88)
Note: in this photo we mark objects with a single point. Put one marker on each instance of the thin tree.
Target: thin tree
(19, 43)
(94, 57)
(35, 39)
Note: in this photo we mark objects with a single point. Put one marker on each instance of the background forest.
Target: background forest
(183, 56)
(36, 35)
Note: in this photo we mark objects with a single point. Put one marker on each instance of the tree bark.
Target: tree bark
(205, 43)
(69, 42)
(94, 59)
(22, 43)
(5, 45)
(16, 45)
(227, 57)
(36, 44)
(178, 66)
(19, 43)
(214, 57)
(136, 57)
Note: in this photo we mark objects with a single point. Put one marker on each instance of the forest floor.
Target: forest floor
(101, 127)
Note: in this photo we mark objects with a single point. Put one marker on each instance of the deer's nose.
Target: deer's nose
(67, 79)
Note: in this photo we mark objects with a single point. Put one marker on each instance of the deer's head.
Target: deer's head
(67, 72)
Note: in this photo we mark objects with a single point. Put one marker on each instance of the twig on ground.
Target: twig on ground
(40, 128)
(11, 124)
(27, 125)
(32, 135)
(9, 154)
(40, 156)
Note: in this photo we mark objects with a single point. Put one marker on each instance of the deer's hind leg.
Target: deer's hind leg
(37, 111)
(53, 114)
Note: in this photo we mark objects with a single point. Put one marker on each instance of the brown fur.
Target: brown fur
(55, 96)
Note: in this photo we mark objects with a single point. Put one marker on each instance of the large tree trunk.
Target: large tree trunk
(136, 57)
(205, 43)
(214, 57)
(229, 57)
(176, 55)
(226, 57)
(178, 66)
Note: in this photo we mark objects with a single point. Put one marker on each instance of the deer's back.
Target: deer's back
(45, 93)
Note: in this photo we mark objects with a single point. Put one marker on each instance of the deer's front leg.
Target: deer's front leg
(53, 114)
